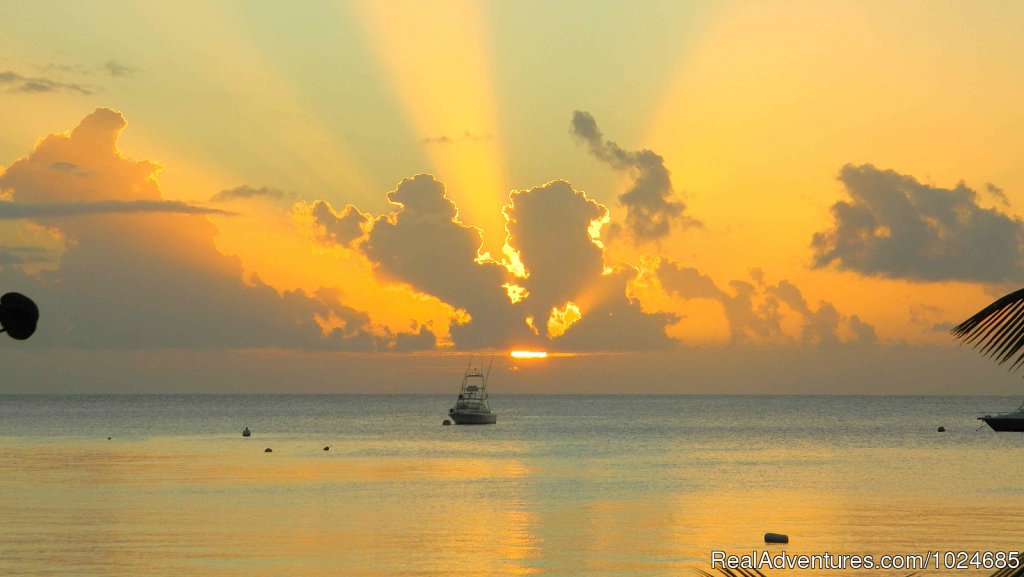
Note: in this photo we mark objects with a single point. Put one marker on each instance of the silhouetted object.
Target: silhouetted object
(18, 315)
(942, 429)
(268, 450)
(246, 432)
(108, 438)
(327, 448)
(472, 406)
(446, 422)
(997, 329)
(776, 538)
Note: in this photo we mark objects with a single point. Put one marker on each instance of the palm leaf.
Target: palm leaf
(997, 330)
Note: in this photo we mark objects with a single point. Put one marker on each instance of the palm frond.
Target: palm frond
(997, 330)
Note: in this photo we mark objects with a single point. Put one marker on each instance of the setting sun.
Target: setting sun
(528, 355)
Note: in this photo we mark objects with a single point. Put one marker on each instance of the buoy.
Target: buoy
(327, 448)
(268, 450)
(246, 432)
(446, 422)
(108, 438)
(776, 538)
(942, 429)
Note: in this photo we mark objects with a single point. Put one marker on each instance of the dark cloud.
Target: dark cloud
(15, 82)
(151, 279)
(650, 210)
(343, 228)
(118, 70)
(997, 193)
(612, 320)
(549, 227)
(896, 227)
(424, 340)
(753, 310)
(246, 192)
(425, 245)
(39, 210)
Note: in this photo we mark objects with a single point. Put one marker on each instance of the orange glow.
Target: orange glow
(443, 77)
(528, 355)
(561, 319)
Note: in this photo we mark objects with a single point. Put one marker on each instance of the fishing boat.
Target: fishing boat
(1006, 421)
(472, 407)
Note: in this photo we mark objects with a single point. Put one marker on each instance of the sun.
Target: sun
(528, 355)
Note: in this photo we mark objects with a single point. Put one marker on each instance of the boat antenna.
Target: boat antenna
(489, 370)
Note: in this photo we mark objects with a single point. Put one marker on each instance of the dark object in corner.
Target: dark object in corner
(776, 538)
(18, 316)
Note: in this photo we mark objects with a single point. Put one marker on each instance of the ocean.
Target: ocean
(560, 486)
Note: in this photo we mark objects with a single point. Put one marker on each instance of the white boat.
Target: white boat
(472, 406)
(1006, 421)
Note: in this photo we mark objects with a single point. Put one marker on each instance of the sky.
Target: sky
(667, 197)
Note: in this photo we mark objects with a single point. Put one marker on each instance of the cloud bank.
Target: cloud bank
(149, 277)
(896, 227)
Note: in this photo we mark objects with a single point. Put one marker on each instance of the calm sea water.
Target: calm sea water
(561, 486)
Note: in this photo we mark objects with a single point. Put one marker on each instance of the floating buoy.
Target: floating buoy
(327, 448)
(268, 450)
(246, 432)
(108, 438)
(776, 538)
(446, 422)
(942, 429)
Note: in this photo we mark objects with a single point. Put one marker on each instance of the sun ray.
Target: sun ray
(443, 77)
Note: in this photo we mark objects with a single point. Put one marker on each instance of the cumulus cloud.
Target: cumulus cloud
(896, 227)
(650, 210)
(39, 210)
(753, 310)
(151, 279)
(246, 192)
(566, 299)
(344, 228)
(424, 244)
(15, 82)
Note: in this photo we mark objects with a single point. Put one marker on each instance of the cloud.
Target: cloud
(246, 192)
(151, 278)
(549, 227)
(896, 227)
(37, 210)
(37, 84)
(754, 313)
(568, 299)
(997, 193)
(650, 212)
(343, 228)
(424, 340)
(425, 245)
(118, 70)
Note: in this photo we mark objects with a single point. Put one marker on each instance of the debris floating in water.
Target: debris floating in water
(327, 448)
(268, 450)
(942, 429)
(446, 422)
(246, 432)
(776, 538)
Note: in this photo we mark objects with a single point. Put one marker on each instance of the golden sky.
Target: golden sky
(403, 182)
